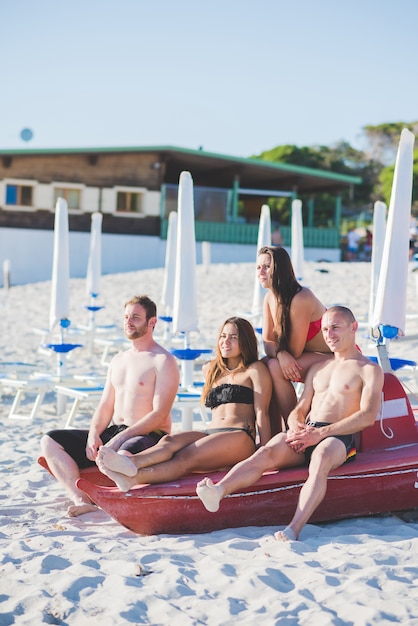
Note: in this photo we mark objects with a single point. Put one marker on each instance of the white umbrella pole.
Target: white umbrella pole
(390, 307)
(263, 239)
(167, 297)
(297, 253)
(379, 228)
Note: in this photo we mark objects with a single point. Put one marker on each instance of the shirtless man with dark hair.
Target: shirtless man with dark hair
(133, 413)
(341, 396)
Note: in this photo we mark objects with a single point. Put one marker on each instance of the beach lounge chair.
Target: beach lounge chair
(80, 394)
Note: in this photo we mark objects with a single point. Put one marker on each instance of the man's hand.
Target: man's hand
(93, 444)
(303, 438)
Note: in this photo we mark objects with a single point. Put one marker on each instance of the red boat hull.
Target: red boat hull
(374, 483)
(382, 479)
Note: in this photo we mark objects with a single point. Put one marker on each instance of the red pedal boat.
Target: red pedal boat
(382, 479)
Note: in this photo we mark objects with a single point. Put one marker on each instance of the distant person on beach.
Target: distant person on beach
(237, 389)
(292, 336)
(353, 244)
(276, 237)
(133, 413)
(368, 245)
(341, 397)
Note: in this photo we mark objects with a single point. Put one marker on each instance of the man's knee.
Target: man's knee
(326, 458)
(48, 444)
(265, 458)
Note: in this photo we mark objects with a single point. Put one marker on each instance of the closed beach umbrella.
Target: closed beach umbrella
(263, 239)
(167, 297)
(60, 281)
(94, 265)
(379, 229)
(390, 306)
(297, 252)
(185, 315)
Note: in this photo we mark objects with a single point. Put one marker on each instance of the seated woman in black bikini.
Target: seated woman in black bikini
(238, 390)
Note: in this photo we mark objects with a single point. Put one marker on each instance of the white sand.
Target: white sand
(56, 570)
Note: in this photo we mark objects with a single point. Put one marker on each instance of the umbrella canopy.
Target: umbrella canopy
(379, 229)
(167, 297)
(60, 281)
(185, 315)
(390, 307)
(94, 266)
(297, 253)
(263, 239)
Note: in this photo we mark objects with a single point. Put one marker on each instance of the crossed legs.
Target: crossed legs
(174, 456)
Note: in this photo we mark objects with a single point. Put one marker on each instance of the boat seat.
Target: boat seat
(395, 422)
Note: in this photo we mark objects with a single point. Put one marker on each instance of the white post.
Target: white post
(6, 274)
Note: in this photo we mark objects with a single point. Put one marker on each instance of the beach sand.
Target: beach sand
(57, 570)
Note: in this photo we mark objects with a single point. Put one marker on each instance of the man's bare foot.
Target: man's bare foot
(106, 457)
(209, 493)
(285, 535)
(79, 509)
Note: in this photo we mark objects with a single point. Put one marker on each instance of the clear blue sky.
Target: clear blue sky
(233, 76)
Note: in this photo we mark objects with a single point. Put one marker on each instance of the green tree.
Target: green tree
(341, 158)
(375, 166)
(383, 139)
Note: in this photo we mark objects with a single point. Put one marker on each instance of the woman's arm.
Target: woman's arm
(269, 335)
(262, 385)
(301, 309)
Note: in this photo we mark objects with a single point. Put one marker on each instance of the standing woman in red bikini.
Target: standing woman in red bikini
(238, 391)
(292, 334)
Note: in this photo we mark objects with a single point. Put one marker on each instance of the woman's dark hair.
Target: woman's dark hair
(248, 351)
(284, 286)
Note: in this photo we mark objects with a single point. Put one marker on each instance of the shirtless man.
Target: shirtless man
(140, 389)
(341, 396)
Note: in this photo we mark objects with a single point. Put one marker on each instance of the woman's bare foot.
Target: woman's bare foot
(209, 493)
(122, 481)
(120, 463)
(79, 509)
(285, 535)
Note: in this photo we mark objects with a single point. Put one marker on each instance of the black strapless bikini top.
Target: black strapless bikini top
(227, 394)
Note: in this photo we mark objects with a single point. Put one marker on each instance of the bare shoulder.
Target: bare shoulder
(163, 355)
(259, 368)
(371, 371)
(303, 301)
(205, 368)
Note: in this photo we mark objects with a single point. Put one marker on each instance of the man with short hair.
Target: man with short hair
(341, 397)
(140, 389)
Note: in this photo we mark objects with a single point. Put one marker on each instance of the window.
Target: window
(71, 195)
(129, 202)
(19, 195)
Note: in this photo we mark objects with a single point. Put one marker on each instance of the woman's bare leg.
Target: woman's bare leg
(208, 453)
(162, 451)
(283, 389)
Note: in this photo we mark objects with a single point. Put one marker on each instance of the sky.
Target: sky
(235, 77)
